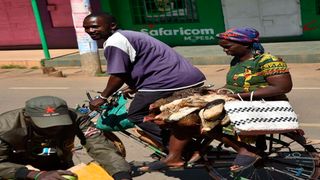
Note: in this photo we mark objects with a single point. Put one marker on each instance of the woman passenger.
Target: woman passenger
(252, 70)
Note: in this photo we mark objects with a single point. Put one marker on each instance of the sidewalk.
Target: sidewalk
(31, 58)
(291, 52)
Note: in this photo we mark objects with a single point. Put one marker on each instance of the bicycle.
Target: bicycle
(285, 156)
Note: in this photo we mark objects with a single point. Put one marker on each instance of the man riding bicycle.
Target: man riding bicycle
(149, 67)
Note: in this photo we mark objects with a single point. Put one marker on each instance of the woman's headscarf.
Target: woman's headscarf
(244, 35)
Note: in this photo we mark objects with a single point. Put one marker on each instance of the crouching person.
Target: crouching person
(42, 135)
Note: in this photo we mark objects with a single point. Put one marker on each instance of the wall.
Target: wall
(210, 16)
(310, 19)
(19, 30)
(17, 23)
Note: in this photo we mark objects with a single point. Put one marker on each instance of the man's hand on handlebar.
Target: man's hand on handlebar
(96, 103)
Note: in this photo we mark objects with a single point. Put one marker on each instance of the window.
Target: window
(58, 10)
(164, 11)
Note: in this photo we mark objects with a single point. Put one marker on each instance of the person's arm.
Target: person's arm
(8, 170)
(118, 65)
(276, 73)
(115, 82)
(103, 151)
(277, 85)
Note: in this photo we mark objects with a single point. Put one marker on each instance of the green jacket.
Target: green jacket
(18, 146)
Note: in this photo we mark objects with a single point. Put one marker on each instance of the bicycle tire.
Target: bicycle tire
(287, 157)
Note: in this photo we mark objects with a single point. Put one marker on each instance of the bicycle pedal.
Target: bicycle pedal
(138, 163)
(194, 165)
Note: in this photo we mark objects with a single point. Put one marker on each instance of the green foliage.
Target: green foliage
(34, 67)
(102, 74)
(13, 66)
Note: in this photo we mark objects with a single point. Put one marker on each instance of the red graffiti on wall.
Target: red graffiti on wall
(310, 26)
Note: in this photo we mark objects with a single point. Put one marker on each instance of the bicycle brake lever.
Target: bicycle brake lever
(89, 96)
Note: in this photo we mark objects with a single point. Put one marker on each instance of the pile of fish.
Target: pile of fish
(197, 106)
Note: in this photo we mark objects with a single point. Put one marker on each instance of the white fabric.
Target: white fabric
(182, 113)
(121, 42)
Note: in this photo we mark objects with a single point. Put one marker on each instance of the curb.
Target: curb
(25, 63)
(195, 60)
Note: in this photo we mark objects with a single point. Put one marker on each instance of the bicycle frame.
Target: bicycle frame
(220, 158)
(113, 118)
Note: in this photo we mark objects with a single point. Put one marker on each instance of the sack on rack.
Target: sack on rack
(115, 118)
(261, 117)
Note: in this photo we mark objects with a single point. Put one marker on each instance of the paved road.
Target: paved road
(20, 85)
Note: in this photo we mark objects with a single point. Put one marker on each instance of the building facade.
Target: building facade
(175, 22)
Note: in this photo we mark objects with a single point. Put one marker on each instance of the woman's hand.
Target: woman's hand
(223, 91)
(277, 85)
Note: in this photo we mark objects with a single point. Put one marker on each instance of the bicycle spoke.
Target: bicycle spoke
(286, 158)
(272, 169)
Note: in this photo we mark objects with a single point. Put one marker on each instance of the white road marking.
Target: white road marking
(306, 88)
(39, 88)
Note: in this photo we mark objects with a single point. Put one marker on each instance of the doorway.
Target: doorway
(272, 18)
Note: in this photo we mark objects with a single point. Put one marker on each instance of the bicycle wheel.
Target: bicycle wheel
(287, 157)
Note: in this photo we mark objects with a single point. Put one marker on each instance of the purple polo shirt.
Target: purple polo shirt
(150, 64)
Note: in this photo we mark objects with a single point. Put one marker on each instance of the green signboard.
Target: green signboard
(194, 22)
(175, 22)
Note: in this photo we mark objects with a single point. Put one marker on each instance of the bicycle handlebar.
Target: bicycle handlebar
(112, 100)
(89, 96)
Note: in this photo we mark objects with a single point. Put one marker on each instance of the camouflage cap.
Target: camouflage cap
(48, 111)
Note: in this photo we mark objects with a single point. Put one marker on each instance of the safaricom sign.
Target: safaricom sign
(188, 34)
